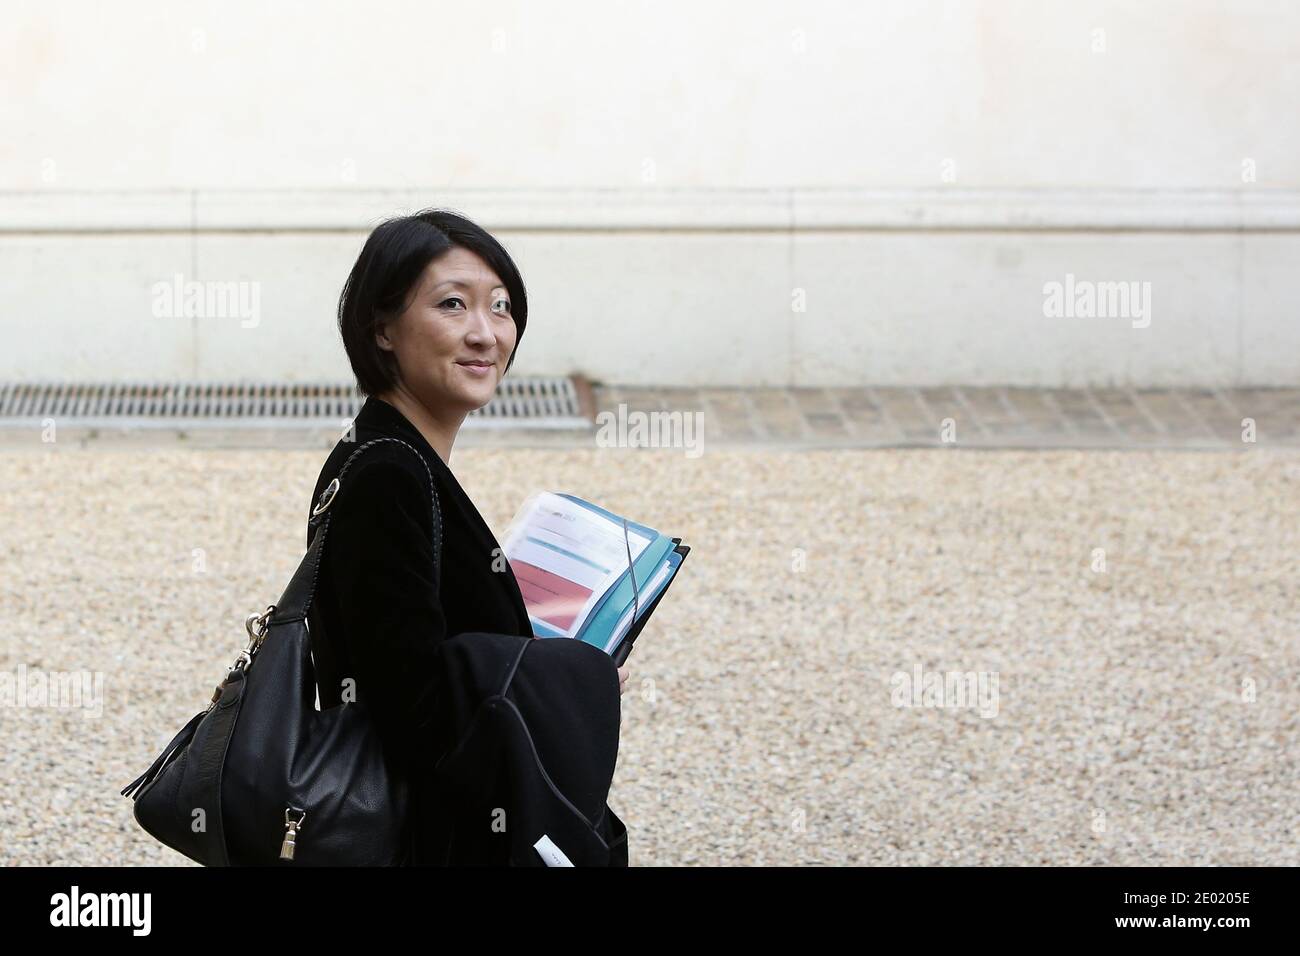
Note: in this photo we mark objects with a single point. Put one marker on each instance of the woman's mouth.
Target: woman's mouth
(476, 369)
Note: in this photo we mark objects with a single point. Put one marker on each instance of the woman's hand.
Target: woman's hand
(622, 678)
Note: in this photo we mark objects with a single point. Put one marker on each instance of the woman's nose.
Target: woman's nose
(480, 324)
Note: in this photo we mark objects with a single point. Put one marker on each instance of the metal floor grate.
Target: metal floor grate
(518, 403)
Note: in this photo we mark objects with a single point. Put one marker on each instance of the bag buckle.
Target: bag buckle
(326, 497)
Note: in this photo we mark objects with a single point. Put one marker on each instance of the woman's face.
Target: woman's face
(456, 335)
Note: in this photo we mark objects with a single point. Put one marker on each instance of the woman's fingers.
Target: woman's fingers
(622, 678)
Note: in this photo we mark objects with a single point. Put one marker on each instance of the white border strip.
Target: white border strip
(59, 211)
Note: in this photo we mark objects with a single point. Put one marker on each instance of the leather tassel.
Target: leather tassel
(179, 741)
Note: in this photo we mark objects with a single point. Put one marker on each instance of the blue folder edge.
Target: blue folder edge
(625, 646)
(599, 630)
(615, 602)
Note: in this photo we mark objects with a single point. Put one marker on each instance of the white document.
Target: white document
(550, 853)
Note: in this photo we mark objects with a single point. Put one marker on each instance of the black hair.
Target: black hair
(384, 275)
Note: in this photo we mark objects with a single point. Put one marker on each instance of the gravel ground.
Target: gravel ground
(1145, 713)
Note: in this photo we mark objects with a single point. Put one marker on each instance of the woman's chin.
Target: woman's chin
(475, 398)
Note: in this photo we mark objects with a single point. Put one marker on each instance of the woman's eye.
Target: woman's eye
(501, 306)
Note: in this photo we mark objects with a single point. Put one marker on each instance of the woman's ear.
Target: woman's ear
(381, 336)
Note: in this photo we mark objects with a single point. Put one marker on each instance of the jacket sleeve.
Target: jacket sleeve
(379, 555)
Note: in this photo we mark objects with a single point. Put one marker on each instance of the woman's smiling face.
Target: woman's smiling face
(455, 337)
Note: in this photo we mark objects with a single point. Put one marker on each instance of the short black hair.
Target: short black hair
(381, 282)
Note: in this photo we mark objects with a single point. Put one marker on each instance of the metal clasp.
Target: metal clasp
(326, 497)
(291, 827)
(257, 626)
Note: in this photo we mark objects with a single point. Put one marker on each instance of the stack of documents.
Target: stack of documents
(586, 573)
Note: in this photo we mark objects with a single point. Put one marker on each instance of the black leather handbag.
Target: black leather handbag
(261, 777)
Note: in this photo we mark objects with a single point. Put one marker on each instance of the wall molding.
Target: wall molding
(657, 209)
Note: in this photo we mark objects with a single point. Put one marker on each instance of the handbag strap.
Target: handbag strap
(296, 600)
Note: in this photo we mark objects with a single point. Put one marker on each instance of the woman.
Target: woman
(431, 317)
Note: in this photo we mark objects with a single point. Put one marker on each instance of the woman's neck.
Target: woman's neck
(440, 433)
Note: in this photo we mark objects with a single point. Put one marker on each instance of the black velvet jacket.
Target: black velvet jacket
(378, 562)
(379, 619)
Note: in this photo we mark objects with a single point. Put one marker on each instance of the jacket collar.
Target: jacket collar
(380, 415)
